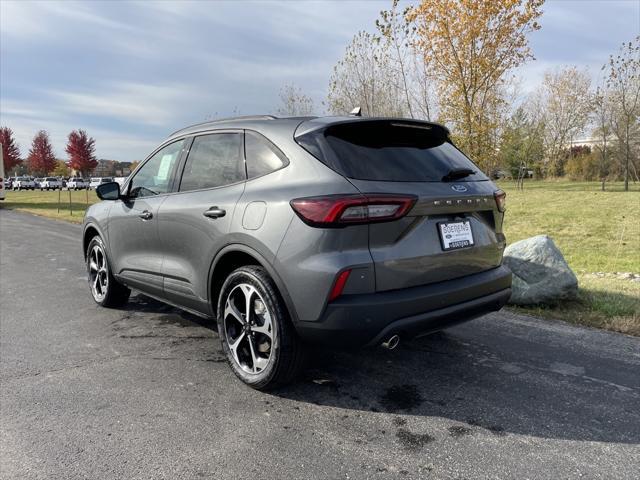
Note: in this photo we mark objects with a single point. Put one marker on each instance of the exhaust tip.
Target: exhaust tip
(392, 342)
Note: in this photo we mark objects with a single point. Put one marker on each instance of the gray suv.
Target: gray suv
(343, 231)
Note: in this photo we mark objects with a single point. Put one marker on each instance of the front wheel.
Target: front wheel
(256, 332)
(105, 289)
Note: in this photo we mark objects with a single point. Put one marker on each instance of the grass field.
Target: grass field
(598, 233)
(52, 204)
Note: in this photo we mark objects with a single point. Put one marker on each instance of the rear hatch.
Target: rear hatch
(454, 228)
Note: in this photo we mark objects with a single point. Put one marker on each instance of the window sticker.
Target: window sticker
(165, 165)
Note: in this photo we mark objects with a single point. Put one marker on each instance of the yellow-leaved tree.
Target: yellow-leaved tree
(469, 47)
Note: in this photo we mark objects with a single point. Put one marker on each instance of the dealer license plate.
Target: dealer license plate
(456, 235)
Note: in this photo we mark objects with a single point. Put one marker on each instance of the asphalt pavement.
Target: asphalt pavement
(144, 392)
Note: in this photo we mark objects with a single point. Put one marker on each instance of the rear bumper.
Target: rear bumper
(368, 319)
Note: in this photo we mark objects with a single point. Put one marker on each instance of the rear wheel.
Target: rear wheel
(257, 336)
(105, 289)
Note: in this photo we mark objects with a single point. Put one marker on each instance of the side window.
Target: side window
(154, 176)
(262, 156)
(214, 160)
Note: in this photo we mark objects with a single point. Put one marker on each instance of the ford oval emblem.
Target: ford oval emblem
(458, 188)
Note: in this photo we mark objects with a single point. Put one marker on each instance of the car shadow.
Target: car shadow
(470, 383)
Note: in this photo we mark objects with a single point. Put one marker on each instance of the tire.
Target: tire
(281, 347)
(105, 289)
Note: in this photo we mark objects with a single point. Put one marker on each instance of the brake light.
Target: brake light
(501, 200)
(341, 210)
(341, 281)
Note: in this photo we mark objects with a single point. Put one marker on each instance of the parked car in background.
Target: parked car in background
(77, 183)
(23, 183)
(120, 180)
(37, 181)
(95, 181)
(342, 231)
(50, 183)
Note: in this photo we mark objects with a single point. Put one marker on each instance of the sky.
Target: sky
(130, 73)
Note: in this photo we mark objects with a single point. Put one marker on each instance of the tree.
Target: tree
(521, 145)
(397, 36)
(81, 148)
(601, 110)
(294, 102)
(41, 159)
(61, 170)
(470, 46)
(10, 149)
(624, 83)
(363, 79)
(566, 104)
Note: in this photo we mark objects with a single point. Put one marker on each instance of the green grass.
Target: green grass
(52, 204)
(596, 231)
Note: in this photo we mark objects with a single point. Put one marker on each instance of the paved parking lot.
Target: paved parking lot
(145, 392)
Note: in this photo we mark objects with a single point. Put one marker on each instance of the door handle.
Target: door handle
(146, 215)
(215, 212)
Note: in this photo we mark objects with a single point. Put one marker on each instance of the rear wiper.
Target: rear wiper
(457, 173)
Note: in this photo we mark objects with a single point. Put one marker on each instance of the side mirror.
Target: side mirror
(108, 191)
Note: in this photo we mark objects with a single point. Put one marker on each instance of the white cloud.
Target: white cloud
(143, 103)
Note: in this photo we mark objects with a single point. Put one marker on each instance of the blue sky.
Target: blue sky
(132, 72)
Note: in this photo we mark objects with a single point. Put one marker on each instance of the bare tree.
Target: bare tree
(565, 102)
(294, 102)
(363, 79)
(601, 106)
(395, 34)
(624, 83)
(407, 66)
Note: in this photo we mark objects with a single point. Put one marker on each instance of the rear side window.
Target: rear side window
(388, 151)
(214, 160)
(262, 156)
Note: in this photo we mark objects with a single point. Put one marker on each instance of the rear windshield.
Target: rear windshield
(384, 150)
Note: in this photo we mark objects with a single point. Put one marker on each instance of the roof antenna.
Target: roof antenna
(356, 112)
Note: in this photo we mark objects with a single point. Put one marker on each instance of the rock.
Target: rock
(540, 273)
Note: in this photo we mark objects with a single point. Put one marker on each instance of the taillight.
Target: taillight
(501, 200)
(341, 210)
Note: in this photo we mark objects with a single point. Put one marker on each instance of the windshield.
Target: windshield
(387, 150)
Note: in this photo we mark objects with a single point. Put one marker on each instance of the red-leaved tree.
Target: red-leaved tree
(41, 159)
(80, 149)
(10, 149)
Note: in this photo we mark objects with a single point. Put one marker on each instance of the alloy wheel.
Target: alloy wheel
(248, 328)
(98, 273)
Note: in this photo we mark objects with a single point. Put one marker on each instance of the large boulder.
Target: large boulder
(540, 273)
